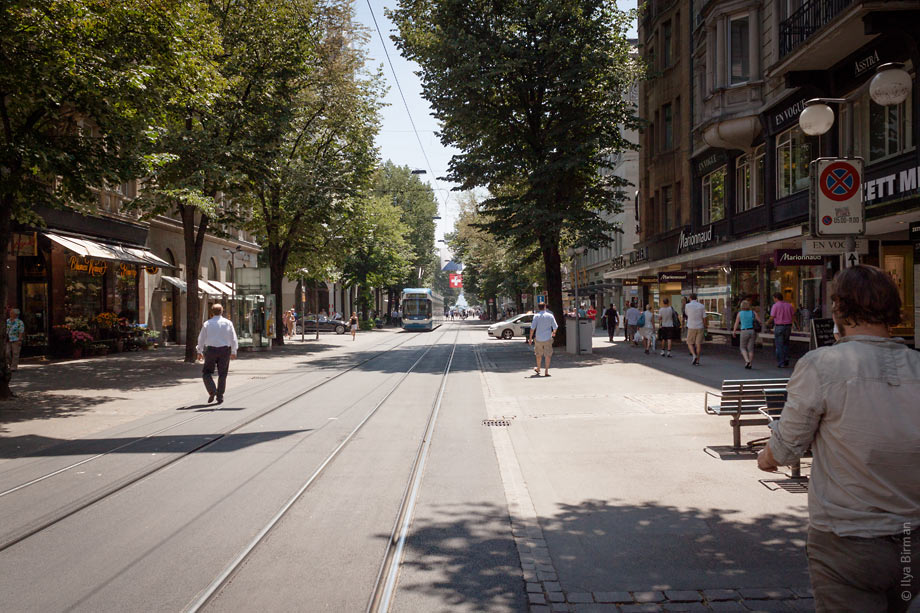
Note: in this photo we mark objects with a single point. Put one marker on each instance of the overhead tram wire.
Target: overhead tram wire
(406, 104)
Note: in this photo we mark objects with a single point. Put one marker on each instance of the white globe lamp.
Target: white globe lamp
(891, 85)
(816, 118)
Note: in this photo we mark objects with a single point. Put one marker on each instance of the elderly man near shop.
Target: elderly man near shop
(217, 345)
(855, 405)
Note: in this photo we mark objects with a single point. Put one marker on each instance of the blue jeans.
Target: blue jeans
(781, 334)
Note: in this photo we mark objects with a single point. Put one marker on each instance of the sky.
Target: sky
(397, 140)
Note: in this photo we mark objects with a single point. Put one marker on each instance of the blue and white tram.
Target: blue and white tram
(422, 309)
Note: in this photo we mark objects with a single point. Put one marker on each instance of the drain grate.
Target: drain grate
(496, 422)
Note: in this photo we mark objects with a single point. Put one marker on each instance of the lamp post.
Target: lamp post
(233, 253)
(890, 86)
(574, 253)
(535, 286)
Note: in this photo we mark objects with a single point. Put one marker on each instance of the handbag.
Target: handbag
(642, 320)
(757, 326)
(675, 319)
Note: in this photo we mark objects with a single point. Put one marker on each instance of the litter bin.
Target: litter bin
(584, 336)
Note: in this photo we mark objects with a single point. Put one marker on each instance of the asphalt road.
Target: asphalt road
(150, 525)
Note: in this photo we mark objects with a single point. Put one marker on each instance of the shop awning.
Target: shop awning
(178, 283)
(225, 288)
(209, 288)
(89, 248)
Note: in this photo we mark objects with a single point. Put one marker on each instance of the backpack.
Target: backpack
(675, 319)
(642, 320)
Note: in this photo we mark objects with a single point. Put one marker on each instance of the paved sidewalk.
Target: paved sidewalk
(67, 399)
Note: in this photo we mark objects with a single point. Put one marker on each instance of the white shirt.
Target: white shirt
(649, 319)
(667, 317)
(217, 332)
(694, 312)
(543, 325)
(632, 316)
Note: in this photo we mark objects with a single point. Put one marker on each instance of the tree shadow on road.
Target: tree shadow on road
(466, 558)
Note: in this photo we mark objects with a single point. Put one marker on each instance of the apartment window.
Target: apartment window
(788, 7)
(667, 132)
(212, 270)
(739, 50)
(714, 196)
(881, 132)
(792, 158)
(667, 208)
(749, 180)
(666, 50)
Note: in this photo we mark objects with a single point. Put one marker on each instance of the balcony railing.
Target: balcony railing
(802, 24)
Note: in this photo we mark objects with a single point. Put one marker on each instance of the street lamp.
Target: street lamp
(574, 253)
(535, 286)
(890, 86)
(233, 253)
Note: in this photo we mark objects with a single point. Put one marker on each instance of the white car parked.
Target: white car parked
(519, 325)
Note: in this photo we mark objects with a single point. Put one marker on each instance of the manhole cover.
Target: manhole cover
(496, 422)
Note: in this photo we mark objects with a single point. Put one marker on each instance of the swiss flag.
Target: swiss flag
(456, 280)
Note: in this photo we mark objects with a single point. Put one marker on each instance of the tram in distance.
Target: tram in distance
(422, 309)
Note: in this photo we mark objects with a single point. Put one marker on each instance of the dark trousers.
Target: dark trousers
(781, 335)
(219, 357)
(864, 575)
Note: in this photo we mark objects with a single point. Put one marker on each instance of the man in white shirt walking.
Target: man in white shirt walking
(695, 315)
(543, 329)
(217, 345)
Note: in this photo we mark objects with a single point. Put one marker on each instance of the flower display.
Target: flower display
(106, 320)
(80, 339)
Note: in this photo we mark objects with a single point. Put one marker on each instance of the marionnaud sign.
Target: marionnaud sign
(838, 197)
(832, 246)
(686, 240)
(670, 277)
(795, 257)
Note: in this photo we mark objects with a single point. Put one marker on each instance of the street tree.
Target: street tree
(379, 255)
(533, 94)
(207, 154)
(300, 187)
(82, 85)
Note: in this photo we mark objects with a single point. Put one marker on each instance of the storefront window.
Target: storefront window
(792, 158)
(713, 289)
(714, 196)
(898, 262)
(83, 296)
(746, 286)
(123, 293)
(802, 287)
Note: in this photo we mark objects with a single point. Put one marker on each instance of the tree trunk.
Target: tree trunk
(277, 261)
(552, 265)
(6, 234)
(194, 241)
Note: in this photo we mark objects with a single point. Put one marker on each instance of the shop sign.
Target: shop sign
(630, 282)
(861, 65)
(639, 255)
(670, 277)
(648, 279)
(780, 119)
(915, 231)
(152, 270)
(618, 263)
(94, 268)
(795, 257)
(837, 197)
(711, 162)
(832, 246)
(127, 271)
(689, 242)
(24, 244)
(895, 184)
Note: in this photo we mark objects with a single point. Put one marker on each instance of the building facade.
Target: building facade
(744, 234)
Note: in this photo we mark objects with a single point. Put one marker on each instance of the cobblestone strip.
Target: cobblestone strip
(545, 593)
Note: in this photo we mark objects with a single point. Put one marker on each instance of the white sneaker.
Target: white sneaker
(662, 354)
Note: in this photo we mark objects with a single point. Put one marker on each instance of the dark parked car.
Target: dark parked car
(325, 325)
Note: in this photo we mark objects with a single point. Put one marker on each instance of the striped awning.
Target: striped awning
(89, 248)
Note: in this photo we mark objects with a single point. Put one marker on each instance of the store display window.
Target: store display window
(746, 286)
(898, 262)
(84, 283)
(713, 288)
(803, 288)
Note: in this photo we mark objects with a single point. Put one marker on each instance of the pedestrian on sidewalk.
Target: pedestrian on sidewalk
(612, 319)
(217, 345)
(695, 316)
(647, 327)
(15, 330)
(353, 324)
(670, 326)
(289, 322)
(748, 321)
(542, 332)
(632, 323)
(781, 315)
(855, 405)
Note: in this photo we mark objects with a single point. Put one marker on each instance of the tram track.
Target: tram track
(119, 485)
(386, 581)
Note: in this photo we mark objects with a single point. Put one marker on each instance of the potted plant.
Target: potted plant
(150, 338)
(80, 340)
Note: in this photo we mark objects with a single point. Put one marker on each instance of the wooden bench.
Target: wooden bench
(740, 398)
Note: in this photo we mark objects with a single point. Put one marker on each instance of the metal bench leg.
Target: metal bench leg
(736, 432)
(796, 472)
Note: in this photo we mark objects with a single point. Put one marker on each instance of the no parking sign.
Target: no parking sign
(837, 197)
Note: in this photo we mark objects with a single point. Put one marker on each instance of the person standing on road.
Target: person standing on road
(855, 405)
(781, 317)
(217, 345)
(695, 316)
(670, 326)
(613, 320)
(632, 323)
(353, 324)
(289, 322)
(15, 330)
(542, 332)
(747, 320)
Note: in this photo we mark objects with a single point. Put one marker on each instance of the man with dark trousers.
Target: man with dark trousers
(217, 345)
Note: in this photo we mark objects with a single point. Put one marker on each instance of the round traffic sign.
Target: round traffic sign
(840, 181)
